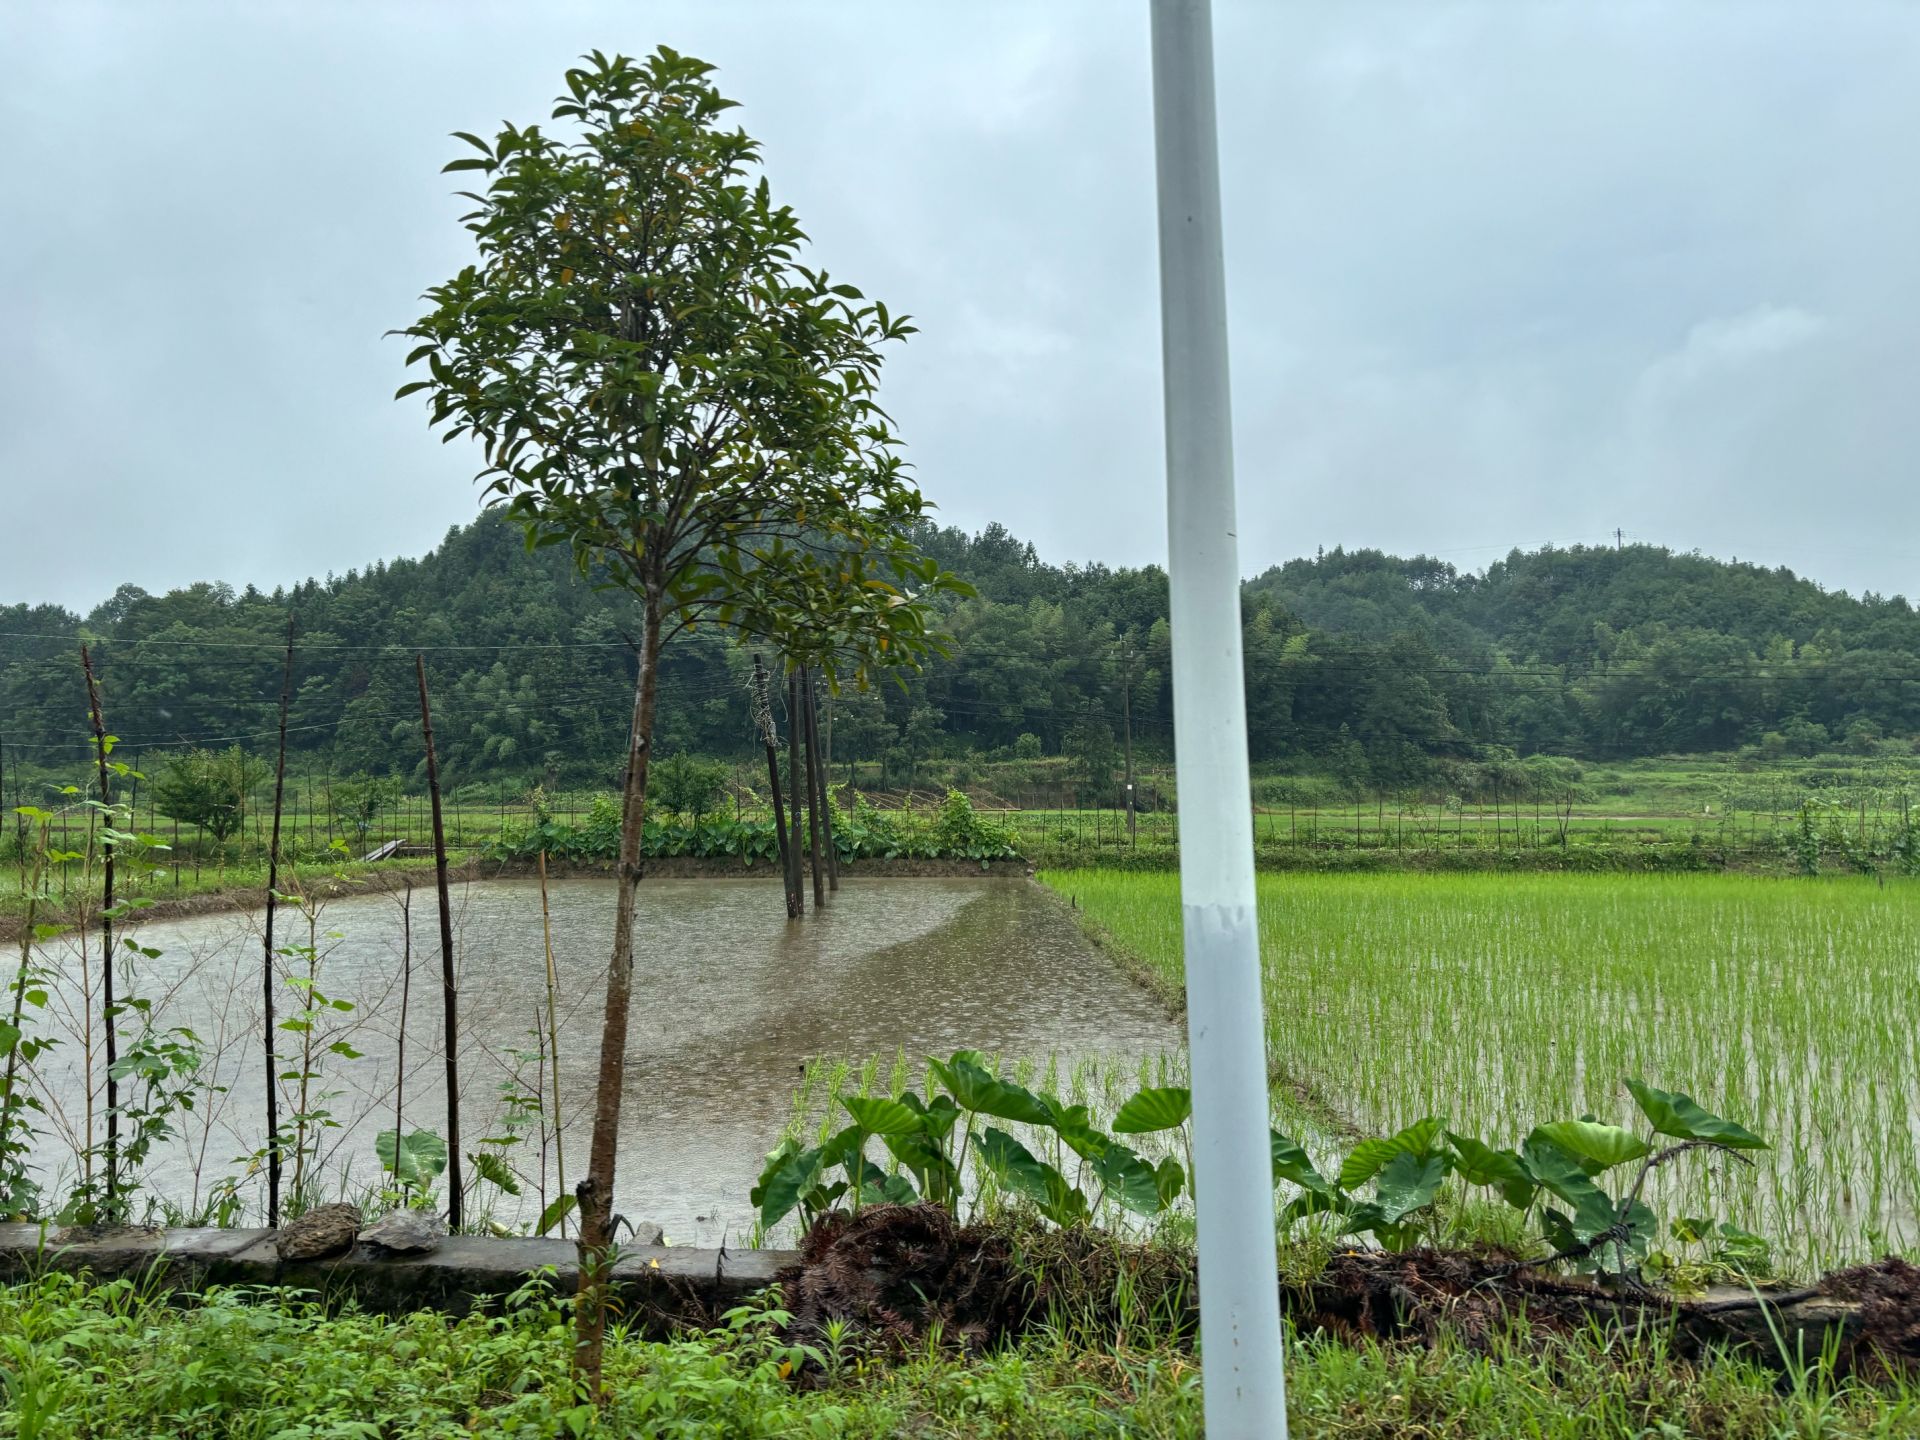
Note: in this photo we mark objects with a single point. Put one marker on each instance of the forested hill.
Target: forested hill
(1386, 667)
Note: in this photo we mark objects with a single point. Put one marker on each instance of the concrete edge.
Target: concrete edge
(659, 1286)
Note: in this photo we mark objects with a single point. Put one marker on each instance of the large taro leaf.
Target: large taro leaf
(937, 1117)
(1555, 1170)
(986, 1094)
(791, 1172)
(1291, 1163)
(1031, 1178)
(415, 1159)
(1672, 1113)
(1478, 1163)
(1599, 1147)
(928, 1164)
(1074, 1125)
(1354, 1215)
(879, 1116)
(1164, 1107)
(1408, 1182)
(1421, 1139)
(1169, 1179)
(1129, 1180)
(888, 1190)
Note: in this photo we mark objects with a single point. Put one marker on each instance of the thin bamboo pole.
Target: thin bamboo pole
(266, 948)
(449, 992)
(107, 1007)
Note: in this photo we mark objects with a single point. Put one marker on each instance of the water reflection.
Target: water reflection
(730, 1001)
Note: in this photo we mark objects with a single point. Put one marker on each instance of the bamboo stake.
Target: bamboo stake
(449, 993)
(106, 933)
(400, 1053)
(553, 1048)
(266, 956)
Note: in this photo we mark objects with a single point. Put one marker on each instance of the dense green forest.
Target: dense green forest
(1380, 670)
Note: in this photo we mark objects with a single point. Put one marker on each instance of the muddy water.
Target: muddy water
(730, 1001)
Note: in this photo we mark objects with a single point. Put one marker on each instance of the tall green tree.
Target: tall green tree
(209, 789)
(661, 384)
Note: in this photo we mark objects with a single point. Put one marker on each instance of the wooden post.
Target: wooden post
(794, 782)
(764, 717)
(266, 952)
(107, 1006)
(449, 993)
(815, 785)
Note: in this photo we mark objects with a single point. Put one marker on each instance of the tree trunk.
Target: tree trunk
(765, 717)
(595, 1192)
(823, 735)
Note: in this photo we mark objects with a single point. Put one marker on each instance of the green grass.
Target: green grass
(80, 1361)
(1498, 1002)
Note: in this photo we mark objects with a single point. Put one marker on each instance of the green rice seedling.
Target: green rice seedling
(1498, 999)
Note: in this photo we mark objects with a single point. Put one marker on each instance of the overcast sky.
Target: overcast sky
(1499, 274)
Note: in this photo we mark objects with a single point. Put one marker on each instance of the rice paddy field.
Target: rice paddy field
(1791, 1006)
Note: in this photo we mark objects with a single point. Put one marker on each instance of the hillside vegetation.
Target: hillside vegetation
(1381, 671)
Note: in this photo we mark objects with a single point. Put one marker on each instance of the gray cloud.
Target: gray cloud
(1499, 274)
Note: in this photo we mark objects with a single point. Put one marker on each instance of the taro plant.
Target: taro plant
(412, 1162)
(1554, 1174)
(932, 1140)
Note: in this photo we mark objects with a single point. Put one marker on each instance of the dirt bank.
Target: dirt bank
(393, 875)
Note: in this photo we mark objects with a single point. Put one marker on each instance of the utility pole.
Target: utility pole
(1126, 738)
(1619, 539)
(1245, 1389)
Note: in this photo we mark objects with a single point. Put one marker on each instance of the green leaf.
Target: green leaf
(1291, 1163)
(1169, 1179)
(1016, 1167)
(491, 1168)
(1159, 1108)
(1074, 1124)
(557, 1210)
(1504, 1170)
(1370, 1156)
(415, 1160)
(1129, 1180)
(790, 1173)
(985, 1094)
(1601, 1146)
(1408, 1182)
(879, 1116)
(1556, 1170)
(1671, 1113)
(888, 1190)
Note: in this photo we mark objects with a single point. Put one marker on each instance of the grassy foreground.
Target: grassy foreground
(1786, 1004)
(78, 1360)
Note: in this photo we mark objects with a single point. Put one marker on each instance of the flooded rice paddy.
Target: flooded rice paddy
(731, 1001)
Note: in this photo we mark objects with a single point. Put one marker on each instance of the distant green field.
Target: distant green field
(1501, 1001)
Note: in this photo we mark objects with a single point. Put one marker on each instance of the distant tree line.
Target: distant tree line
(1380, 669)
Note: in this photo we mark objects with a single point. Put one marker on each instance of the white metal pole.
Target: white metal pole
(1233, 1178)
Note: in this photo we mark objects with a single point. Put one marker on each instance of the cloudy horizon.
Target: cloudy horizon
(1497, 276)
